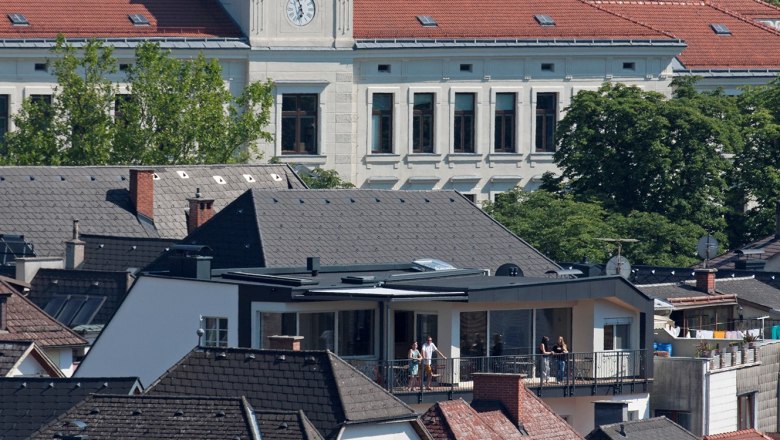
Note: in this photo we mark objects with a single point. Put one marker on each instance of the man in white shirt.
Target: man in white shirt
(427, 351)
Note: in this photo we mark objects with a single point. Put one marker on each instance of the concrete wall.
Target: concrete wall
(766, 383)
(677, 386)
(721, 404)
(580, 413)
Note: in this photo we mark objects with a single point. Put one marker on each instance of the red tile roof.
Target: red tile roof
(745, 434)
(750, 45)
(109, 19)
(27, 322)
(542, 423)
(389, 19)
(753, 9)
(456, 420)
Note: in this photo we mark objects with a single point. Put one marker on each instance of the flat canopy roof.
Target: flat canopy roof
(374, 293)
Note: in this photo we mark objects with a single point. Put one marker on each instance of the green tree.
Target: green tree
(634, 150)
(76, 128)
(181, 112)
(319, 178)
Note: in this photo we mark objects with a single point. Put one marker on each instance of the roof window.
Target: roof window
(138, 19)
(544, 20)
(720, 29)
(427, 21)
(18, 19)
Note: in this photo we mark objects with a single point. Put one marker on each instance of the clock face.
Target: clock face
(301, 12)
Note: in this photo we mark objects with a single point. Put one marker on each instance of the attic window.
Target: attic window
(548, 67)
(219, 180)
(41, 67)
(544, 20)
(720, 29)
(466, 67)
(249, 178)
(383, 68)
(18, 19)
(427, 21)
(138, 19)
(183, 174)
(629, 66)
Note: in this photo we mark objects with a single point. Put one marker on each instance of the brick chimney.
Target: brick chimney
(201, 211)
(505, 388)
(705, 280)
(142, 192)
(4, 310)
(285, 342)
(74, 249)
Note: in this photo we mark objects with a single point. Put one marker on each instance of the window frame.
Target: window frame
(504, 116)
(387, 129)
(215, 331)
(544, 139)
(419, 119)
(297, 115)
(464, 125)
(5, 116)
(619, 333)
(746, 411)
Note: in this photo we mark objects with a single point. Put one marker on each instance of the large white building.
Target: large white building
(409, 95)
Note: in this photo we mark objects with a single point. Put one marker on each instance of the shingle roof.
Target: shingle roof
(753, 9)
(283, 228)
(121, 253)
(61, 283)
(41, 202)
(27, 322)
(28, 403)
(657, 428)
(745, 434)
(109, 18)
(456, 420)
(155, 418)
(285, 425)
(328, 390)
(574, 19)
(10, 353)
(542, 423)
(750, 45)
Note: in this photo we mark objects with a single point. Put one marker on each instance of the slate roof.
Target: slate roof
(342, 227)
(657, 428)
(762, 292)
(121, 253)
(61, 283)
(27, 322)
(327, 389)
(28, 403)
(727, 260)
(285, 425)
(41, 202)
(15, 352)
(109, 18)
(155, 418)
(750, 46)
(574, 19)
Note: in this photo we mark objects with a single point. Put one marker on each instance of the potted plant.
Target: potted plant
(704, 349)
(750, 340)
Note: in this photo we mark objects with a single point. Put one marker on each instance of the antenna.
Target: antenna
(707, 248)
(618, 265)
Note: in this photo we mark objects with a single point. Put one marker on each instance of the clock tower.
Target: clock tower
(294, 23)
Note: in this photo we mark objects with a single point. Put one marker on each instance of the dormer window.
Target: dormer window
(18, 19)
(720, 29)
(544, 20)
(427, 21)
(138, 19)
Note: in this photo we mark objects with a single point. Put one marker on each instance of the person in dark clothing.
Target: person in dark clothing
(559, 350)
(544, 350)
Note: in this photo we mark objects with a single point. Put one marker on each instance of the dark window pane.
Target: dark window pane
(356, 333)
(511, 332)
(382, 123)
(299, 123)
(473, 334)
(464, 123)
(3, 119)
(505, 123)
(422, 121)
(317, 331)
(70, 309)
(546, 118)
(55, 304)
(88, 311)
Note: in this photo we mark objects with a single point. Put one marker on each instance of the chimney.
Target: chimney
(292, 343)
(313, 265)
(201, 211)
(705, 280)
(506, 388)
(142, 192)
(74, 249)
(4, 310)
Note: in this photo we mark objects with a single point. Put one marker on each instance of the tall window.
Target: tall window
(546, 118)
(216, 332)
(382, 123)
(299, 123)
(745, 406)
(356, 333)
(473, 334)
(4, 104)
(120, 101)
(317, 330)
(617, 335)
(422, 122)
(464, 123)
(505, 122)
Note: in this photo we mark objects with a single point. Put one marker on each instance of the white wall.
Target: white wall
(721, 406)
(62, 358)
(156, 326)
(28, 367)
(380, 431)
(580, 413)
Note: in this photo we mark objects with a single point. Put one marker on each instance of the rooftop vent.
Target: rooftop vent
(720, 29)
(427, 21)
(18, 19)
(138, 19)
(276, 177)
(219, 180)
(183, 174)
(249, 178)
(544, 20)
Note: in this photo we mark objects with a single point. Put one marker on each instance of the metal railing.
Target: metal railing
(456, 374)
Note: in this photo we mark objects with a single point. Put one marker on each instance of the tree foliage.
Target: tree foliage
(319, 178)
(176, 111)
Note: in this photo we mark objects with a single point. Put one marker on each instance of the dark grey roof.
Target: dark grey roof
(10, 353)
(657, 428)
(154, 417)
(286, 425)
(27, 403)
(763, 292)
(41, 202)
(328, 390)
(283, 228)
(49, 284)
(121, 253)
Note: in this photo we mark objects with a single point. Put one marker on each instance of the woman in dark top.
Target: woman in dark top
(545, 352)
(559, 350)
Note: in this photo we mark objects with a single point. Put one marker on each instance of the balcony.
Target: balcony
(570, 375)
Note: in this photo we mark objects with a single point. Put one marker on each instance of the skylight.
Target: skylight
(138, 19)
(426, 20)
(18, 19)
(720, 29)
(544, 20)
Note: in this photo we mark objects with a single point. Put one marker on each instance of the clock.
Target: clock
(301, 12)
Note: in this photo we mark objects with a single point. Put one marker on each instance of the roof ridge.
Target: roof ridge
(662, 32)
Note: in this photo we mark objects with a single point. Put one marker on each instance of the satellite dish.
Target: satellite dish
(509, 270)
(707, 247)
(772, 264)
(618, 265)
